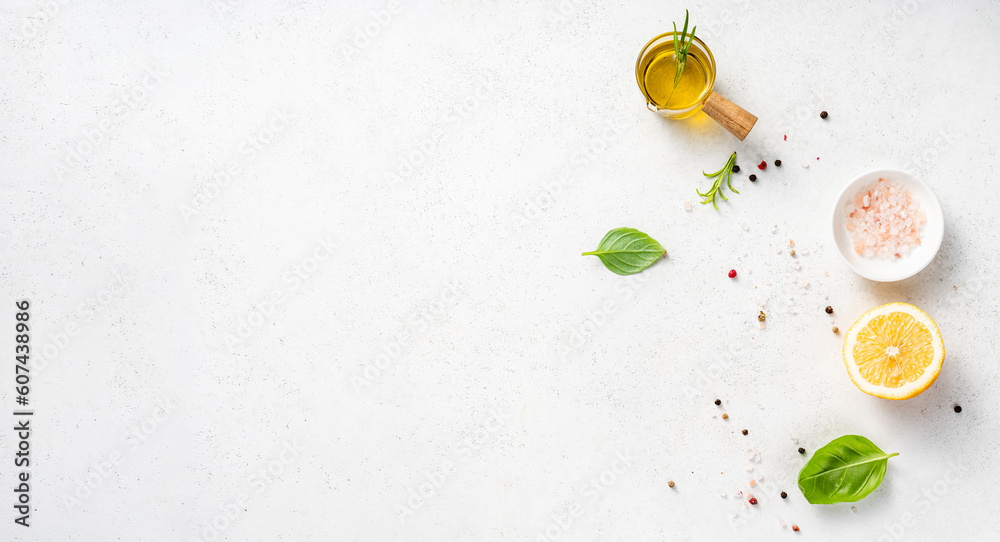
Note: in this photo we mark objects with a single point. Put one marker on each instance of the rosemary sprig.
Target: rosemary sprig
(724, 174)
(681, 47)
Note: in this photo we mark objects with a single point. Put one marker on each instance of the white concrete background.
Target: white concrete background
(442, 329)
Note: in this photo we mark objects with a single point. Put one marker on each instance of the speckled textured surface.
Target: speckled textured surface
(321, 263)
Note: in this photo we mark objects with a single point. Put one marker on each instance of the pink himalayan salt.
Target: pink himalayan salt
(884, 220)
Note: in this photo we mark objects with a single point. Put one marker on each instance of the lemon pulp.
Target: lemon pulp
(893, 350)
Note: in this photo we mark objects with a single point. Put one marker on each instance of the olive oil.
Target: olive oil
(655, 72)
(658, 68)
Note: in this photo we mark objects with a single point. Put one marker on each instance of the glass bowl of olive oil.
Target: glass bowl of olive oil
(655, 69)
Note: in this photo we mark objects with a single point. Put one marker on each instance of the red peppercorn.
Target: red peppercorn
(795, 528)
(753, 500)
(732, 273)
(762, 165)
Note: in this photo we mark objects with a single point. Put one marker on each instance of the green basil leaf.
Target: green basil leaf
(626, 251)
(845, 470)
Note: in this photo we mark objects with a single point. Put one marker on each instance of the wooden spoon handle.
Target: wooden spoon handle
(732, 117)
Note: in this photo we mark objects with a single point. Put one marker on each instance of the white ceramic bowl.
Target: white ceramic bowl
(888, 269)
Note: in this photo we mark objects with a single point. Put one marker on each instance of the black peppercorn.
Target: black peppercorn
(958, 408)
(753, 178)
(777, 163)
(736, 169)
(745, 431)
(784, 495)
(802, 450)
(718, 402)
(829, 309)
(823, 115)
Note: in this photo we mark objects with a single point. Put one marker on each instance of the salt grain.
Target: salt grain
(884, 220)
(687, 205)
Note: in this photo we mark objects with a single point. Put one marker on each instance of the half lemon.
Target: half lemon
(894, 351)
